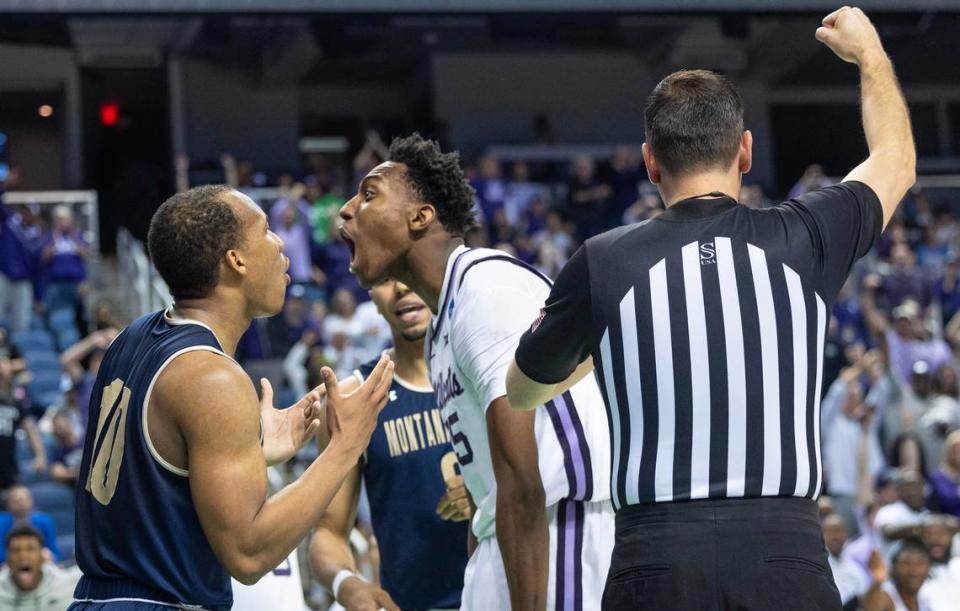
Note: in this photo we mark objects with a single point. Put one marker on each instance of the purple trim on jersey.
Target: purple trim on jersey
(576, 453)
(508, 259)
(442, 312)
(569, 566)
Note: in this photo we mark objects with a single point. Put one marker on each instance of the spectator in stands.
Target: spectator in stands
(520, 194)
(9, 351)
(558, 233)
(103, 317)
(333, 260)
(536, 217)
(81, 362)
(851, 579)
(945, 481)
(68, 449)
(905, 279)
(28, 582)
(904, 518)
(942, 588)
(19, 264)
(293, 197)
(911, 567)
(813, 178)
(325, 207)
(752, 196)
(946, 290)
(372, 154)
(648, 206)
(294, 229)
(490, 187)
(850, 441)
(63, 260)
(20, 513)
(623, 178)
(932, 254)
(906, 339)
(587, 197)
(285, 329)
(14, 415)
(859, 549)
(342, 317)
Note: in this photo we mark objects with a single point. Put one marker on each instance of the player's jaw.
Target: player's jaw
(403, 309)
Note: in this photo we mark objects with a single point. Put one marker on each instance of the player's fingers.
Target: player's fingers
(454, 481)
(376, 376)
(442, 505)
(386, 603)
(330, 383)
(266, 392)
(826, 35)
(831, 19)
(381, 392)
(312, 429)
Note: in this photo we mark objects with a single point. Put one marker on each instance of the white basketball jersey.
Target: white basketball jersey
(488, 300)
(278, 590)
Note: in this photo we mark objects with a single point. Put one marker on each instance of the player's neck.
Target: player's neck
(427, 265)
(409, 363)
(227, 323)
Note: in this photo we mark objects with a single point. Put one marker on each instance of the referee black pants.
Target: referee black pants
(717, 555)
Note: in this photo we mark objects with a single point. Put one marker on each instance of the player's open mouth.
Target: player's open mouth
(409, 312)
(350, 244)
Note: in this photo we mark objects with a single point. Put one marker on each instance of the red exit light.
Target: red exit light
(109, 114)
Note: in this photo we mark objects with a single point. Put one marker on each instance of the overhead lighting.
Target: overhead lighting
(45, 111)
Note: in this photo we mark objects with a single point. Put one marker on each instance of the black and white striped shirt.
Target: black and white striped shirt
(706, 325)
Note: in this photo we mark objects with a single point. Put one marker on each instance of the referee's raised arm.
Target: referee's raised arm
(891, 167)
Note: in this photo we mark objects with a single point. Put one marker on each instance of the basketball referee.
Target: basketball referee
(706, 326)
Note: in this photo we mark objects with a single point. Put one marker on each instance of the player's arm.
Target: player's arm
(890, 168)
(330, 552)
(521, 515)
(554, 354)
(215, 409)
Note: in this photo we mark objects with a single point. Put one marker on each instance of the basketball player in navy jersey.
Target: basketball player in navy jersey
(173, 492)
(408, 467)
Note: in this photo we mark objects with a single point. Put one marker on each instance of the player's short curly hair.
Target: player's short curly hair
(437, 178)
(188, 236)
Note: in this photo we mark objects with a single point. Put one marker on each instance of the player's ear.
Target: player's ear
(745, 154)
(235, 261)
(422, 216)
(650, 162)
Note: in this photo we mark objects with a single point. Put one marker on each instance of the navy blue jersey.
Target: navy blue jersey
(422, 557)
(138, 534)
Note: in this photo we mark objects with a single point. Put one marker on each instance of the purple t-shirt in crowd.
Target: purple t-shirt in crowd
(905, 352)
(296, 245)
(66, 264)
(944, 494)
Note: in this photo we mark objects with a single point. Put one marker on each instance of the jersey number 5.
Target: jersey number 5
(461, 444)
(108, 443)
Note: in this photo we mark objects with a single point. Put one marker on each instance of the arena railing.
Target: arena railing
(148, 292)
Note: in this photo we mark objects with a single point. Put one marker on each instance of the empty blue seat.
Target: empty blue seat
(67, 338)
(33, 339)
(61, 319)
(42, 361)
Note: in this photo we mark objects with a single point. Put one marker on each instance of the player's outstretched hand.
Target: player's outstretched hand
(849, 33)
(358, 595)
(286, 430)
(456, 505)
(351, 418)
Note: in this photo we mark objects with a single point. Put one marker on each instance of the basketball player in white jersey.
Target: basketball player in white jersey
(281, 588)
(544, 523)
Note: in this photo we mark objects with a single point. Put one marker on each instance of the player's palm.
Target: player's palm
(352, 417)
(286, 430)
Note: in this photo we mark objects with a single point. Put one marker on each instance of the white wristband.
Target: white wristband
(339, 579)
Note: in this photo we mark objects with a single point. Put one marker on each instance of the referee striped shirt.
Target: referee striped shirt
(706, 325)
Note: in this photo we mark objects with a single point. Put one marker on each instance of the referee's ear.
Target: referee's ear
(650, 162)
(745, 156)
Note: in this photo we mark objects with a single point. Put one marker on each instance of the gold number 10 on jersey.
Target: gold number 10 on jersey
(108, 442)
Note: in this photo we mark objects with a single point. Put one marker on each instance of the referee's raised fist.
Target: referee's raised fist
(849, 33)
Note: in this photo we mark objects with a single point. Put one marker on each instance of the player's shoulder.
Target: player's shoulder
(482, 268)
(202, 376)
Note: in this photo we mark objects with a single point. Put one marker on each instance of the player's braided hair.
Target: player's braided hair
(437, 178)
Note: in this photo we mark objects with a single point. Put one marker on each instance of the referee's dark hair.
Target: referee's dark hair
(188, 236)
(437, 178)
(693, 122)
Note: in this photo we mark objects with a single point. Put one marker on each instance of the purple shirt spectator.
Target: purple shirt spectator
(944, 494)
(905, 352)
